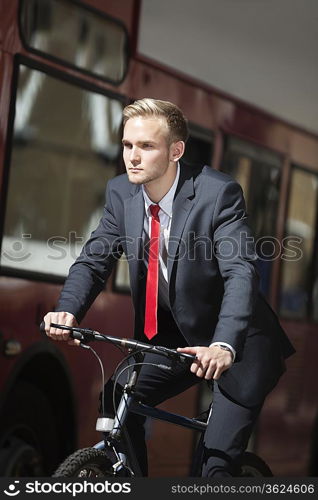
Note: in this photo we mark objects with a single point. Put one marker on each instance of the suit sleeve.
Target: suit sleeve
(89, 273)
(235, 252)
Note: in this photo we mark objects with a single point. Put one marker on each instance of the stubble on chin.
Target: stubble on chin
(134, 179)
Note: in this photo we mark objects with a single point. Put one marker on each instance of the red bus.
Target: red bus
(67, 69)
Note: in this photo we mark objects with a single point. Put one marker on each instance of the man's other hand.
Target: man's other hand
(210, 362)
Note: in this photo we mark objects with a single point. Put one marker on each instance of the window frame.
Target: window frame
(258, 145)
(308, 317)
(66, 64)
(64, 77)
(227, 135)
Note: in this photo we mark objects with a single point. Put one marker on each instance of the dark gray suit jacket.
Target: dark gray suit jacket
(213, 282)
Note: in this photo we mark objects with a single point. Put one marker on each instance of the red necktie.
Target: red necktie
(152, 275)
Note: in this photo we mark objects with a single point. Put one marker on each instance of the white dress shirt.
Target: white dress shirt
(165, 217)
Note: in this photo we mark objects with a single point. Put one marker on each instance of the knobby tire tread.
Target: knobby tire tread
(84, 458)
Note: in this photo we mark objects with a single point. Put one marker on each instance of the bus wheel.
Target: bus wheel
(29, 442)
(19, 459)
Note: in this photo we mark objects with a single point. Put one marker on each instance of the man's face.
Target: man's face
(146, 149)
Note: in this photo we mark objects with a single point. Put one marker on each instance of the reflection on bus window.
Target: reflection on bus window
(258, 171)
(298, 282)
(65, 147)
(76, 35)
(122, 276)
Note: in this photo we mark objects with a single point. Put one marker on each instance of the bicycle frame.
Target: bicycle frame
(129, 404)
(116, 447)
(156, 413)
(114, 429)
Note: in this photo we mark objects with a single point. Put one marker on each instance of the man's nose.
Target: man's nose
(135, 155)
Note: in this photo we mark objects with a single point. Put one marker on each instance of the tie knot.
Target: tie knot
(154, 210)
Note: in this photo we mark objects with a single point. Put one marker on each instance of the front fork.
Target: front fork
(116, 436)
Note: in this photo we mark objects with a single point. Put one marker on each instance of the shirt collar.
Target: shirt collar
(167, 201)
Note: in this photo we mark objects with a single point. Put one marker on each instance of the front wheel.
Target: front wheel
(87, 462)
(252, 465)
(91, 462)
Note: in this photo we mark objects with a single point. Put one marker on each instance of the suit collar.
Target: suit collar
(182, 206)
(185, 183)
(167, 201)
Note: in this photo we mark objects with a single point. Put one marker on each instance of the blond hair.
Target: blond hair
(147, 107)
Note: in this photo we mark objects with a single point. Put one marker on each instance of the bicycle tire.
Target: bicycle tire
(87, 462)
(251, 465)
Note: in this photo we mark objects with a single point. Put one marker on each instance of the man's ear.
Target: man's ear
(177, 150)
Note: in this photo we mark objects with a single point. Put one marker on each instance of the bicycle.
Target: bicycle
(114, 455)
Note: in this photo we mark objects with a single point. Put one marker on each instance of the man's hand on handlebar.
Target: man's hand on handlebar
(62, 318)
(210, 362)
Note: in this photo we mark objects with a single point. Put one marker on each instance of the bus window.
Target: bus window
(66, 145)
(199, 148)
(258, 171)
(299, 284)
(73, 34)
(121, 282)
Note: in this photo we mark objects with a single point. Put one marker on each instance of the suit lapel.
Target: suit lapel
(134, 220)
(134, 217)
(182, 206)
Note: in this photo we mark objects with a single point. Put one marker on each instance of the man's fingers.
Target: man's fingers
(210, 362)
(70, 321)
(200, 372)
(61, 318)
(199, 367)
(210, 372)
(195, 365)
(187, 350)
(75, 342)
(221, 367)
(218, 372)
(47, 322)
(57, 333)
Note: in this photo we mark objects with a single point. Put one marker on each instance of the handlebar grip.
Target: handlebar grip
(73, 334)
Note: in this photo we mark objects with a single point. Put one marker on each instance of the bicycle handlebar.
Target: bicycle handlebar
(86, 335)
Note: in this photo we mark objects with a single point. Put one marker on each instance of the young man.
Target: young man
(196, 290)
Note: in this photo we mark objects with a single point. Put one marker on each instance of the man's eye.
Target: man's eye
(147, 145)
